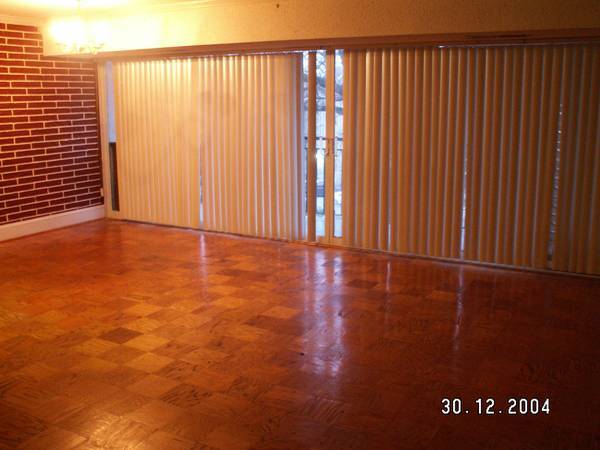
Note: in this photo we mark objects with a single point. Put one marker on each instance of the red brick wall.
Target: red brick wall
(49, 143)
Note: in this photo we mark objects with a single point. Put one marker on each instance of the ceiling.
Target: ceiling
(48, 8)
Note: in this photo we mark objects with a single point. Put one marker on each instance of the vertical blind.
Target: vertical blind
(459, 152)
(156, 118)
(577, 240)
(251, 145)
(488, 154)
(218, 133)
(402, 172)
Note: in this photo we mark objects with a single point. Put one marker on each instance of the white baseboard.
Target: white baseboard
(33, 226)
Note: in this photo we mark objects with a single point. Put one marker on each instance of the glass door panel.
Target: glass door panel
(338, 112)
(324, 95)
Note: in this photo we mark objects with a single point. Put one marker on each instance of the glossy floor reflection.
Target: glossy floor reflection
(116, 335)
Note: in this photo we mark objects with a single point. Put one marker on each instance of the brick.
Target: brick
(50, 209)
(35, 205)
(15, 133)
(40, 77)
(11, 34)
(91, 184)
(69, 104)
(58, 123)
(41, 91)
(86, 172)
(61, 162)
(56, 97)
(27, 84)
(35, 152)
(7, 169)
(18, 161)
(11, 48)
(19, 27)
(38, 50)
(58, 110)
(49, 158)
(73, 193)
(51, 149)
(83, 97)
(20, 201)
(70, 116)
(67, 78)
(43, 118)
(75, 179)
(22, 56)
(16, 147)
(72, 91)
(19, 175)
(12, 105)
(48, 183)
(24, 70)
(13, 91)
(87, 196)
(6, 197)
(75, 167)
(55, 83)
(34, 192)
(72, 142)
(30, 42)
(26, 98)
(72, 129)
(41, 104)
(27, 111)
(59, 187)
(54, 71)
(12, 77)
(47, 170)
(11, 62)
(14, 119)
(61, 176)
(10, 211)
(19, 188)
(32, 179)
(44, 131)
(21, 215)
(77, 204)
(59, 136)
(87, 110)
(22, 126)
(28, 139)
(82, 84)
(70, 65)
(34, 166)
(39, 64)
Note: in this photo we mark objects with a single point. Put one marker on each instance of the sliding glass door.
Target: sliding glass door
(324, 144)
(480, 153)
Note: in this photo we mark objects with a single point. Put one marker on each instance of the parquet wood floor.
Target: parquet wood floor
(119, 335)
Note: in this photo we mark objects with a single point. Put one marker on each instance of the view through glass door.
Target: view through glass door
(328, 142)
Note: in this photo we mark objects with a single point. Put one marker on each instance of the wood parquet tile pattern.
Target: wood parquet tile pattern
(120, 335)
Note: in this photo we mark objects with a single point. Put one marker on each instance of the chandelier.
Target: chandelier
(77, 35)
